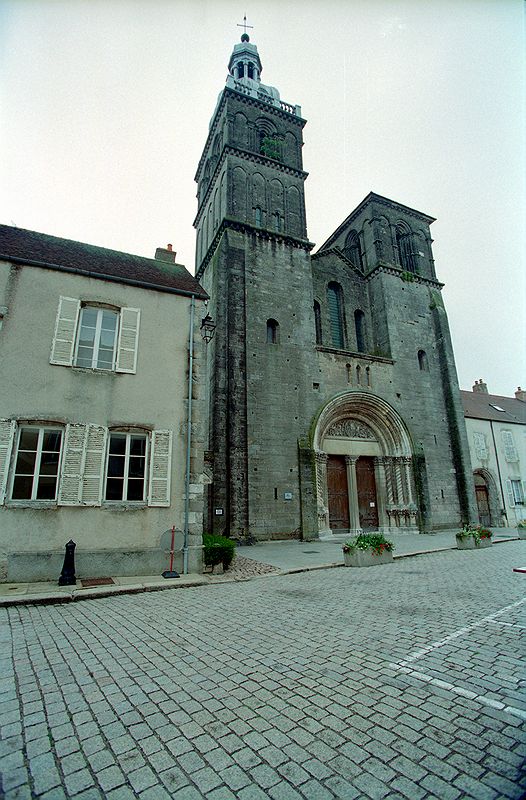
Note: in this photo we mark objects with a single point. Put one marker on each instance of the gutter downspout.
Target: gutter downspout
(188, 434)
(498, 471)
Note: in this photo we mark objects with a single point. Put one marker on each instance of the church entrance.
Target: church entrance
(482, 495)
(338, 493)
(366, 486)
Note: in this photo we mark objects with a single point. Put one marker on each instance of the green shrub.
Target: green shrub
(217, 550)
(376, 541)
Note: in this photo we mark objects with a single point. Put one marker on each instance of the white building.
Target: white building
(496, 429)
(94, 353)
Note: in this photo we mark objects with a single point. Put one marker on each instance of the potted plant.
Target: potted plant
(367, 550)
(473, 537)
(521, 528)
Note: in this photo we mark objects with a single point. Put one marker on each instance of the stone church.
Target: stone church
(334, 401)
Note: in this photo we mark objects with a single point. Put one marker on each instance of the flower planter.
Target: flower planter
(521, 533)
(367, 558)
(470, 543)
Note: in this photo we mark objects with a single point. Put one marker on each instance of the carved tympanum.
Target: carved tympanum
(350, 429)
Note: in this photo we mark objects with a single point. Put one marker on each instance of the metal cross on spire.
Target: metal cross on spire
(244, 24)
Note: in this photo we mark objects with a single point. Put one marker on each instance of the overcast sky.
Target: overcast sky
(106, 104)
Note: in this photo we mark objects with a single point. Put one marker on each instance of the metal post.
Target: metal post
(67, 576)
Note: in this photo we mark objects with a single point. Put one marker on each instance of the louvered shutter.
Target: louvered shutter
(94, 460)
(65, 330)
(480, 446)
(160, 469)
(7, 437)
(128, 340)
(71, 469)
(510, 451)
(511, 497)
(335, 316)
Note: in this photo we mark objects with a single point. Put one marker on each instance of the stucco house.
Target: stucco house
(496, 427)
(96, 348)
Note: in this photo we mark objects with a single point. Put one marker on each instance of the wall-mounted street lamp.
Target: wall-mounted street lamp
(208, 328)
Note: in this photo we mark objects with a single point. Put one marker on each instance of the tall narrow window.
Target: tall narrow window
(317, 322)
(37, 463)
(422, 361)
(257, 216)
(240, 70)
(358, 374)
(272, 331)
(404, 243)
(126, 467)
(368, 375)
(353, 250)
(334, 300)
(250, 69)
(359, 324)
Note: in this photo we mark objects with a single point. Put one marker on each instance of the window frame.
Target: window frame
(518, 496)
(96, 342)
(42, 428)
(146, 435)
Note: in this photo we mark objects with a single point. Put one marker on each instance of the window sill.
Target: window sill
(109, 505)
(50, 505)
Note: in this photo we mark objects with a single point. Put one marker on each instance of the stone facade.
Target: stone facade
(312, 351)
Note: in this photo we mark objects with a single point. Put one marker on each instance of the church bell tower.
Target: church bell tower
(252, 256)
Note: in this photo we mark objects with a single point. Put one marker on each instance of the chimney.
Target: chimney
(480, 386)
(165, 254)
(520, 394)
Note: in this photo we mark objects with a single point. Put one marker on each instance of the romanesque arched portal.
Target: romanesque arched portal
(364, 467)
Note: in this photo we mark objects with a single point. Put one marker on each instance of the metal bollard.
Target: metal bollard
(67, 576)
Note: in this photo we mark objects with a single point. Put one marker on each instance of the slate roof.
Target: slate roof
(21, 246)
(479, 405)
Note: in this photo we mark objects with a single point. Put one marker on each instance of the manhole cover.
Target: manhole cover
(87, 582)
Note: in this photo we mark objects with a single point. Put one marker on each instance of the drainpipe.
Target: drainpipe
(498, 471)
(188, 435)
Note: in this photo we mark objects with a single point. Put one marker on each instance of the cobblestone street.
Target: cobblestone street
(399, 681)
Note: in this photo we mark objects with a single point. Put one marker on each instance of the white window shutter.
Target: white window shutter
(510, 451)
(160, 469)
(128, 340)
(65, 330)
(94, 460)
(7, 437)
(511, 497)
(72, 464)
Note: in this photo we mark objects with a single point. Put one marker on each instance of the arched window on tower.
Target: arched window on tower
(404, 243)
(317, 322)
(272, 331)
(335, 303)
(250, 69)
(240, 70)
(257, 216)
(422, 361)
(359, 324)
(353, 250)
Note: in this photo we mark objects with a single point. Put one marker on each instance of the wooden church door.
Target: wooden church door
(338, 493)
(366, 485)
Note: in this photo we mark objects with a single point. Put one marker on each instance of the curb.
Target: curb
(76, 595)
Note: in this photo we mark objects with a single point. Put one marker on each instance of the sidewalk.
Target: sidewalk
(272, 558)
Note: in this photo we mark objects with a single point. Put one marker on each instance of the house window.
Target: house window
(37, 463)
(93, 337)
(334, 300)
(317, 322)
(126, 472)
(272, 331)
(97, 338)
(517, 492)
